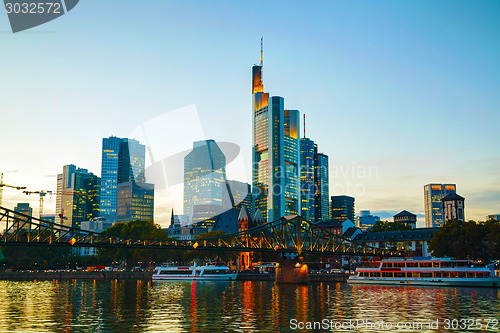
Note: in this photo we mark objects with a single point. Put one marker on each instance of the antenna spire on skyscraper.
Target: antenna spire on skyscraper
(304, 125)
(261, 51)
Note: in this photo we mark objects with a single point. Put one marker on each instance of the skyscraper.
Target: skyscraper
(342, 208)
(78, 192)
(307, 183)
(433, 193)
(204, 180)
(275, 167)
(123, 160)
(321, 179)
(135, 201)
(314, 187)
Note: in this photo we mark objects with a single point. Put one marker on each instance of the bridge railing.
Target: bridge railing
(288, 234)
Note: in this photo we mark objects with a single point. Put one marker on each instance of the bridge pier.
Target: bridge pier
(291, 271)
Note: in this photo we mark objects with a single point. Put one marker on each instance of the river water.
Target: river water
(241, 306)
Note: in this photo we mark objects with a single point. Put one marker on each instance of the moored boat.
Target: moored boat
(207, 272)
(426, 272)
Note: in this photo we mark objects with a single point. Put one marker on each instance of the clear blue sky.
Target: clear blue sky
(410, 89)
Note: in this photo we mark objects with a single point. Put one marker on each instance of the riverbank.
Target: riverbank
(18, 276)
(104, 275)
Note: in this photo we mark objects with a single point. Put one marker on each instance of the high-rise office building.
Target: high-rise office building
(314, 188)
(275, 167)
(307, 183)
(433, 193)
(342, 208)
(135, 201)
(322, 195)
(23, 208)
(204, 180)
(78, 194)
(123, 160)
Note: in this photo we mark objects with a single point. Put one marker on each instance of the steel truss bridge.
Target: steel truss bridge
(288, 234)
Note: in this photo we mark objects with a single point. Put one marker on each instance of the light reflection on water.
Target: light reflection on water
(205, 306)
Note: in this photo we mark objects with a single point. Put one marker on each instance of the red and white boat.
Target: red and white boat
(426, 272)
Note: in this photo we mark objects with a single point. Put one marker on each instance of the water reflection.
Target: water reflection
(206, 306)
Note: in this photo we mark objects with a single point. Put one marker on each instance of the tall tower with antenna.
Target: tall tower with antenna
(275, 167)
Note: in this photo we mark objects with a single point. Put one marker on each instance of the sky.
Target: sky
(398, 94)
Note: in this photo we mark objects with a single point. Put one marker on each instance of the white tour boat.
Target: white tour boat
(207, 272)
(426, 272)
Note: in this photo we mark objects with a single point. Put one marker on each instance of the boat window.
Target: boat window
(176, 272)
(425, 275)
(215, 271)
(386, 274)
(399, 274)
(470, 275)
(461, 275)
(388, 264)
(435, 264)
(425, 264)
(411, 264)
(408, 274)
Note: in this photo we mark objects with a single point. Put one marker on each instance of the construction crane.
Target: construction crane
(2, 185)
(42, 195)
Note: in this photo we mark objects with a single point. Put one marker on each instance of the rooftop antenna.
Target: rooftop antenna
(304, 125)
(261, 51)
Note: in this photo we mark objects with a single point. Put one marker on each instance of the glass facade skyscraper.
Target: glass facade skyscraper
(135, 201)
(314, 187)
(342, 208)
(78, 192)
(123, 160)
(433, 194)
(275, 167)
(321, 185)
(204, 180)
(307, 184)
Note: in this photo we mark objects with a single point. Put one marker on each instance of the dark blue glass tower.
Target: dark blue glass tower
(123, 160)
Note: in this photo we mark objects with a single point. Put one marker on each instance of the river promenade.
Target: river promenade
(110, 275)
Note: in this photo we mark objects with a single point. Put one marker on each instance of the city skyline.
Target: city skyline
(417, 98)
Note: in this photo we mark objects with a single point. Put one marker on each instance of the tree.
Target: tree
(381, 226)
(139, 229)
(467, 240)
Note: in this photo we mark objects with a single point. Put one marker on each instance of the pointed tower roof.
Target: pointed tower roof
(258, 217)
(243, 214)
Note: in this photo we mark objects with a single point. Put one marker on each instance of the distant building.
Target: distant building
(342, 208)
(204, 180)
(314, 187)
(23, 208)
(237, 194)
(180, 220)
(415, 240)
(345, 228)
(433, 193)
(493, 217)
(307, 184)
(78, 196)
(365, 220)
(321, 179)
(135, 201)
(453, 207)
(96, 225)
(407, 218)
(49, 218)
(123, 160)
